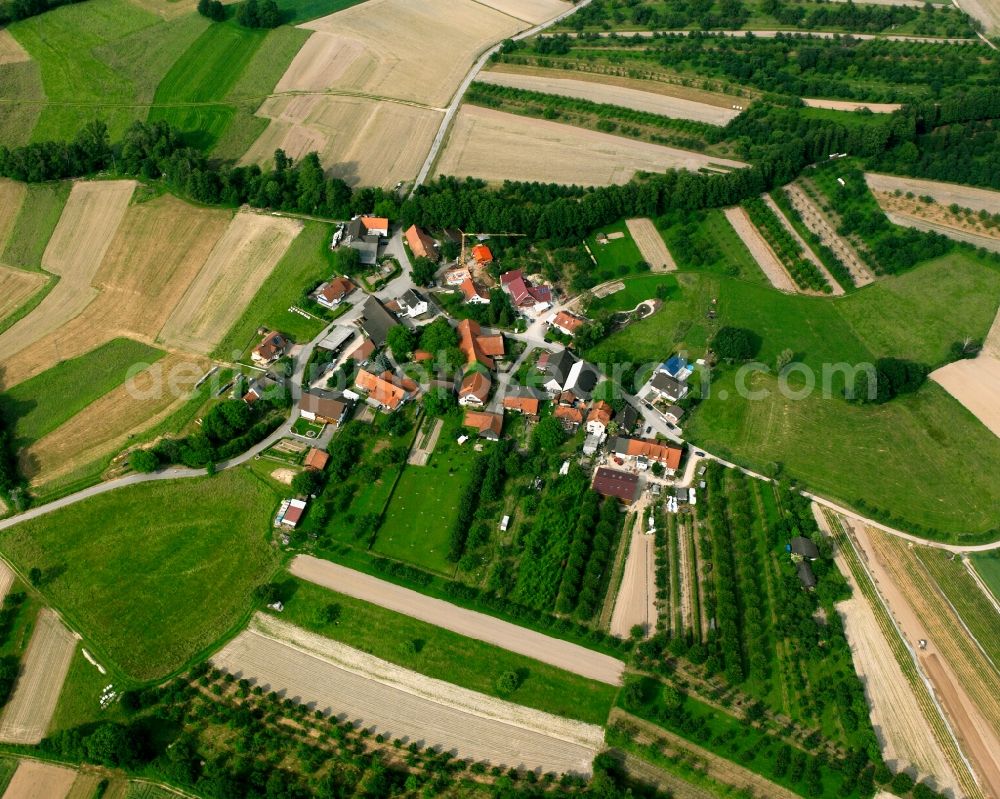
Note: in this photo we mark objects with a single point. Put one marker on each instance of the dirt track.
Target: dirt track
(553, 651)
(760, 250)
(636, 601)
(398, 703)
(46, 663)
(945, 193)
(497, 146)
(652, 102)
(37, 780)
(651, 245)
(847, 105)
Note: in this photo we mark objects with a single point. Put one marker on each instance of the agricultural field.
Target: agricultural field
(976, 384)
(439, 653)
(398, 703)
(35, 779)
(943, 193)
(153, 574)
(706, 241)
(16, 288)
(497, 146)
(651, 245)
(987, 566)
(768, 261)
(31, 229)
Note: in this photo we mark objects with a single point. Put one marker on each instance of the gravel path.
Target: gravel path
(554, 651)
(760, 250)
(636, 602)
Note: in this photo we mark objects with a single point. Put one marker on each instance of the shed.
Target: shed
(806, 576)
(803, 547)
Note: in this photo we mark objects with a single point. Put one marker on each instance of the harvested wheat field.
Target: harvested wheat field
(847, 105)
(496, 146)
(353, 686)
(37, 780)
(16, 286)
(237, 267)
(106, 425)
(760, 250)
(905, 739)
(84, 785)
(965, 683)
(636, 600)
(27, 715)
(986, 11)
(398, 48)
(584, 88)
(81, 238)
(945, 193)
(11, 51)
(976, 384)
(533, 11)
(651, 245)
(159, 250)
(364, 142)
(11, 193)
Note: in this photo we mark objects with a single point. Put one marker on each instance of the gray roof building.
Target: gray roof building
(376, 321)
(801, 545)
(806, 576)
(557, 366)
(667, 386)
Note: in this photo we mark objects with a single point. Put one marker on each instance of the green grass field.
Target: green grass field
(417, 524)
(37, 219)
(23, 96)
(79, 700)
(618, 256)
(39, 405)
(7, 768)
(305, 264)
(704, 241)
(448, 656)
(988, 566)
(301, 10)
(637, 289)
(103, 60)
(153, 575)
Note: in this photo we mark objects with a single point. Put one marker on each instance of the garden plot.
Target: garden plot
(587, 87)
(651, 245)
(362, 141)
(237, 267)
(11, 51)
(46, 663)
(398, 48)
(498, 146)
(37, 780)
(16, 286)
(79, 242)
(769, 263)
(356, 687)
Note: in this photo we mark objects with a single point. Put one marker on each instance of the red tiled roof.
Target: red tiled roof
(421, 244)
(600, 412)
(477, 385)
(316, 459)
(482, 254)
(375, 223)
(668, 456)
(271, 347)
(483, 421)
(568, 322)
(507, 277)
(363, 351)
(528, 405)
(478, 348)
(386, 389)
(422, 355)
(565, 413)
(470, 290)
(337, 289)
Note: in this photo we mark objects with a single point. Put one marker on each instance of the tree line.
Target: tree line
(22, 9)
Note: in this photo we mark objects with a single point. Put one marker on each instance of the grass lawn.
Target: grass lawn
(988, 566)
(153, 575)
(79, 700)
(41, 404)
(7, 768)
(40, 212)
(637, 289)
(417, 524)
(104, 59)
(618, 256)
(448, 656)
(305, 264)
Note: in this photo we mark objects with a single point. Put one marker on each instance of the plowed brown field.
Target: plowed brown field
(36, 780)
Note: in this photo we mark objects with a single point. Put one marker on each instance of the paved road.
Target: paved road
(554, 651)
(456, 100)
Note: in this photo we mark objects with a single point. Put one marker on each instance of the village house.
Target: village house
(376, 321)
(674, 414)
(599, 418)
(521, 399)
(567, 323)
(258, 388)
(421, 245)
(316, 460)
(556, 367)
(457, 275)
(413, 304)
(475, 389)
(473, 293)
(581, 381)
(642, 453)
(334, 292)
(477, 347)
(364, 234)
(385, 391)
(620, 485)
(677, 368)
(667, 387)
(570, 416)
(363, 352)
(272, 346)
(324, 406)
(529, 299)
(482, 254)
(487, 425)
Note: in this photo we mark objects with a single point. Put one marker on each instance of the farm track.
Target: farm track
(807, 249)
(636, 600)
(554, 651)
(397, 703)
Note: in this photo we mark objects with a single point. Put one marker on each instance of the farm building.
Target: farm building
(362, 226)
(612, 483)
(421, 245)
(376, 321)
(316, 459)
(290, 513)
(488, 425)
(324, 406)
(477, 347)
(332, 293)
(802, 547)
(271, 347)
(643, 453)
(475, 389)
(806, 576)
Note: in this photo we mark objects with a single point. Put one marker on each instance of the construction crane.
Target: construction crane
(466, 235)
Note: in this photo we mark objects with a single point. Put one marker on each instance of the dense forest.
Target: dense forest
(962, 153)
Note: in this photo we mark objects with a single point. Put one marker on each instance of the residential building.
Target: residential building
(642, 453)
(421, 245)
(627, 418)
(473, 293)
(488, 425)
(556, 367)
(521, 399)
(527, 298)
(363, 352)
(333, 292)
(482, 254)
(413, 303)
(570, 416)
(806, 576)
(581, 381)
(677, 368)
(324, 406)
(670, 388)
(802, 547)
(599, 418)
(385, 390)
(362, 226)
(620, 485)
(567, 323)
(477, 347)
(457, 275)
(316, 459)
(258, 388)
(475, 389)
(376, 321)
(272, 346)
(673, 414)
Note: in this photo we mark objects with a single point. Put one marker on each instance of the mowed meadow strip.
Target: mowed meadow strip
(153, 574)
(498, 146)
(26, 716)
(11, 198)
